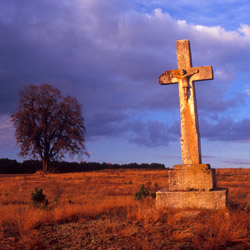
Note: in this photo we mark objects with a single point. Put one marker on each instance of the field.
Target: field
(97, 210)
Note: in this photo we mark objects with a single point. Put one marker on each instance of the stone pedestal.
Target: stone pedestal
(192, 186)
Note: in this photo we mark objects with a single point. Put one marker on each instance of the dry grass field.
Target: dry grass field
(97, 210)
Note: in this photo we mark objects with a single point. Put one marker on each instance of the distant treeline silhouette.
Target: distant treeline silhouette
(8, 166)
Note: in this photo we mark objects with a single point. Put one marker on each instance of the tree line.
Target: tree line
(8, 166)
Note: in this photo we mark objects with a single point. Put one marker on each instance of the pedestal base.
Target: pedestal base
(187, 177)
(215, 199)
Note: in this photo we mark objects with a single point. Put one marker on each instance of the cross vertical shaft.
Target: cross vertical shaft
(190, 136)
(185, 76)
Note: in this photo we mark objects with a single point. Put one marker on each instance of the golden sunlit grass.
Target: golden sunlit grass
(97, 210)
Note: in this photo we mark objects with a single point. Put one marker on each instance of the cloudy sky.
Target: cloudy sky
(109, 55)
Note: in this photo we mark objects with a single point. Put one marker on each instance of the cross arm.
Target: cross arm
(168, 77)
(203, 73)
(195, 74)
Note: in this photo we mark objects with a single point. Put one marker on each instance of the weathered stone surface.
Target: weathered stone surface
(185, 76)
(192, 177)
(192, 184)
(191, 167)
(216, 199)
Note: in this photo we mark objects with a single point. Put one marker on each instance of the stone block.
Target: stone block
(188, 177)
(215, 199)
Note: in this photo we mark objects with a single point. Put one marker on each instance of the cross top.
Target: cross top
(185, 76)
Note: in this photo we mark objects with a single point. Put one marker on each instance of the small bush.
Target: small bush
(38, 198)
(129, 182)
(153, 195)
(142, 193)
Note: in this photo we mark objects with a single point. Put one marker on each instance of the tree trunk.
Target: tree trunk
(45, 165)
(45, 157)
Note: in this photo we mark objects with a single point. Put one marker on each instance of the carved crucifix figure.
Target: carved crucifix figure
(185, 76)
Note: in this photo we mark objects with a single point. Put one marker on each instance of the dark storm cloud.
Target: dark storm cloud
(225, 129)
(151, 133)
(113, 124)
(30, 45)
(212, 99)
(109, 57)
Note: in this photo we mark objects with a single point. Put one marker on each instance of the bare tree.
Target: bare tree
(48, 125)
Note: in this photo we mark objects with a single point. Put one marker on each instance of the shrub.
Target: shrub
(153, 195)
(142, 193)
(38, 198)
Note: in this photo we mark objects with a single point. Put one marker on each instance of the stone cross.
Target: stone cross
(185, 76)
